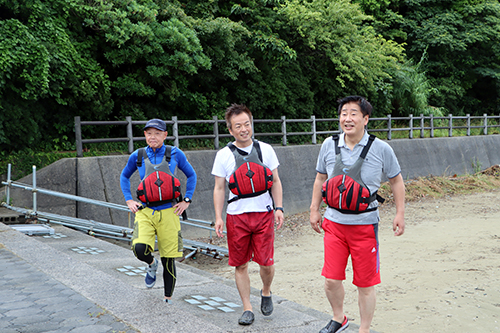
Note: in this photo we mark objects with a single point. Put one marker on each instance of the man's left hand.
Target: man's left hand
(181, 207)
(398, 225)
(278, 218)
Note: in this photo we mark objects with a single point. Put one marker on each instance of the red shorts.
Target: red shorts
(250, 235)
(358, 241)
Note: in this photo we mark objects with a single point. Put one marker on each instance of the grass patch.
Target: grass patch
(437, 187)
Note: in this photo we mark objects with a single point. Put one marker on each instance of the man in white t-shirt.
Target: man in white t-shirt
(250, 219)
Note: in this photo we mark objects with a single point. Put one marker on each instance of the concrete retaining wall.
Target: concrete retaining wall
(98, 177)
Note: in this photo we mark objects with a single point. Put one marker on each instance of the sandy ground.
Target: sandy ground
(442, 275)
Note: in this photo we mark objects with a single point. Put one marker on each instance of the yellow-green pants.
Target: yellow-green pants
(165, 225)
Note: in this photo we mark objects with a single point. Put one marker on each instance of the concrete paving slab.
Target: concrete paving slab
(97, 285)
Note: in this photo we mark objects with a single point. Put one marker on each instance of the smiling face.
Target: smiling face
(241, 129)
(155, 137)
(352, 121)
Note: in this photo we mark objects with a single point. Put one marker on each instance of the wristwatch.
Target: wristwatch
(279, 208)
(188, 200)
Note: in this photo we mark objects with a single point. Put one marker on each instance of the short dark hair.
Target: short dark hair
(365, 106)
(234, 110)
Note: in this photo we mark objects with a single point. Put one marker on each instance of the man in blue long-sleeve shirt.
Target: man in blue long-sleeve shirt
(160, 218)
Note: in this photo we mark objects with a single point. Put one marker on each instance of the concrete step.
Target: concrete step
(8, 216)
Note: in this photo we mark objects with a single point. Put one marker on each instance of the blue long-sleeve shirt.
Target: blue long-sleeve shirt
(178, 160)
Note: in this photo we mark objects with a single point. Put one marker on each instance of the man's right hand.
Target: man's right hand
(315, 220)
(133, 206)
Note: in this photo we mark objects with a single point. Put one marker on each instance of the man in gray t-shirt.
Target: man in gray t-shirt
(354, 234)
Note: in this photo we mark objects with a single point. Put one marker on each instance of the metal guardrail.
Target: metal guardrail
(100, 229)
(415, 124)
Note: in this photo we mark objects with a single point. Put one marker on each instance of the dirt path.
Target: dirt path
(442, 275)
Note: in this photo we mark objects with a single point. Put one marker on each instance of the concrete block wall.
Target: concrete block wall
(98, 177)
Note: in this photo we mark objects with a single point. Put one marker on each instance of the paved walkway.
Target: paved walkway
(72, 282)
(32, 301)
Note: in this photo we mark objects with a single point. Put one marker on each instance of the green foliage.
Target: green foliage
(411, 90)
(252, 61)
(46, 75)
(361, 60)
(104, 60)
(22, 162)
(387, 20)
(462, 39)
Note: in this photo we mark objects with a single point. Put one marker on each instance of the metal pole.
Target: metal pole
(389, 128)
(450, 124)
(176, 131)
(485, 122)
(111, 231)
(78, 137)
(253, 128)
(432, 125)
(422, 125)
(34, 189)
(201, 221)
(198, 226)
(130, 135)
(313, 129)
(71, 197)
(9, 180)
(216, 132)
(283, 130)
(411, 126)
(468, 124)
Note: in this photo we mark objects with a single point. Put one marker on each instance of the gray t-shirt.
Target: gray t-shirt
(379, 161)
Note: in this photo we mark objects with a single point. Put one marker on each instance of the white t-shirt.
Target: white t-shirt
(224, 165)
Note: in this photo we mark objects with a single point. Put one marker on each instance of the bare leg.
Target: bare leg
(334, 290)
(366, 302)
(267, 275)
(243, 284)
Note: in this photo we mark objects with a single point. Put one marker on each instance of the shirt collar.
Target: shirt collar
(363, 142)
(158, 150)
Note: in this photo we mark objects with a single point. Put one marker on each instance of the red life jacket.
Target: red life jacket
(345, 191)
(250, 177)
(159, 185)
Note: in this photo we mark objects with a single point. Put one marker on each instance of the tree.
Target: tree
(359, 60)
(45, 75)
(96, 59)
(411, 90)
(462, 39)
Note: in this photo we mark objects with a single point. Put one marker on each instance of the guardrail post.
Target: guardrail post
(389, 128)
(313, 129)
(432, 125)
(130, 135)
(422, 125)
(253, 128)
(175, 131)
(283, 130)
(468, 124)
(216, 132)
(485, 122)
(34, 190)
(78, 137)
(450, 124)
(411, 126)
(9, 180)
